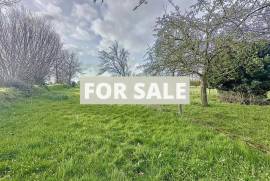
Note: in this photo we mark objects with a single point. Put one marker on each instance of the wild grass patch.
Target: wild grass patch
(59, 139)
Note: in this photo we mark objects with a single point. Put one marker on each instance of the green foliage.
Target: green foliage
(195, 83)
(58, 87)
(45, 139)
(242, 67)
(73, 84)
(57, 97)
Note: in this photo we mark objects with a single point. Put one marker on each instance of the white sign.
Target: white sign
(134, 90)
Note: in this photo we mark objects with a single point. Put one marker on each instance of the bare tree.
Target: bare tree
(59, 67)
(28, 47)
(8, 2)
(71, 68)
(66, 68)
(114, 61)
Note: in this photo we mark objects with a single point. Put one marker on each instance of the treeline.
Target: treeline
(31, 52)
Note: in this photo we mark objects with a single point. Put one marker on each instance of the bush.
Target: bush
(44, 86)
(237, 97)
(243, 69)
(20, 85)
(73, 84)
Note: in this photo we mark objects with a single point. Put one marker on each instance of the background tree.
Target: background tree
(66, 68)
(71, 68)
(114, 61)
(28, 47)
(58, 67)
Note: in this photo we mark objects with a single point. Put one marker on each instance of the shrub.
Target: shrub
(243, 69)
(25, 88)
(242, 98)
(73, 84)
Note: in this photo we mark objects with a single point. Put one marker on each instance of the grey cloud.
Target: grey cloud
(86, 27)
(133, 29)
(84, 12)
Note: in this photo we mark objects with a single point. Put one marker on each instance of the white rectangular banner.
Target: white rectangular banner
(134, 90)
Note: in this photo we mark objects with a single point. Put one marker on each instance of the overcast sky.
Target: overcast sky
(86, 27)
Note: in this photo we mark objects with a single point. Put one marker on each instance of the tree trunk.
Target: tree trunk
(69, 79)
(56, 75)
(204, 98)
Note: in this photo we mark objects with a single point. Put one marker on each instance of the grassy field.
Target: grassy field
(53, 137)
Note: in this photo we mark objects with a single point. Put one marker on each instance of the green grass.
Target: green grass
(53, 137)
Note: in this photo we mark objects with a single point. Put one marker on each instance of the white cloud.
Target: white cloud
(121, 23)
(133, 29)
(49, 8)
(81, 34)
(70, 46)
(84, 12)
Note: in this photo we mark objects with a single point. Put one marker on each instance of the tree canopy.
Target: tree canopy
(114, 61)
(187, 43)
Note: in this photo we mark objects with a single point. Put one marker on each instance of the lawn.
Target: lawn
(52, 137)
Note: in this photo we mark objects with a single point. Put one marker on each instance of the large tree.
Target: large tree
(187, 41)
(28, 47)
(114, 61)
